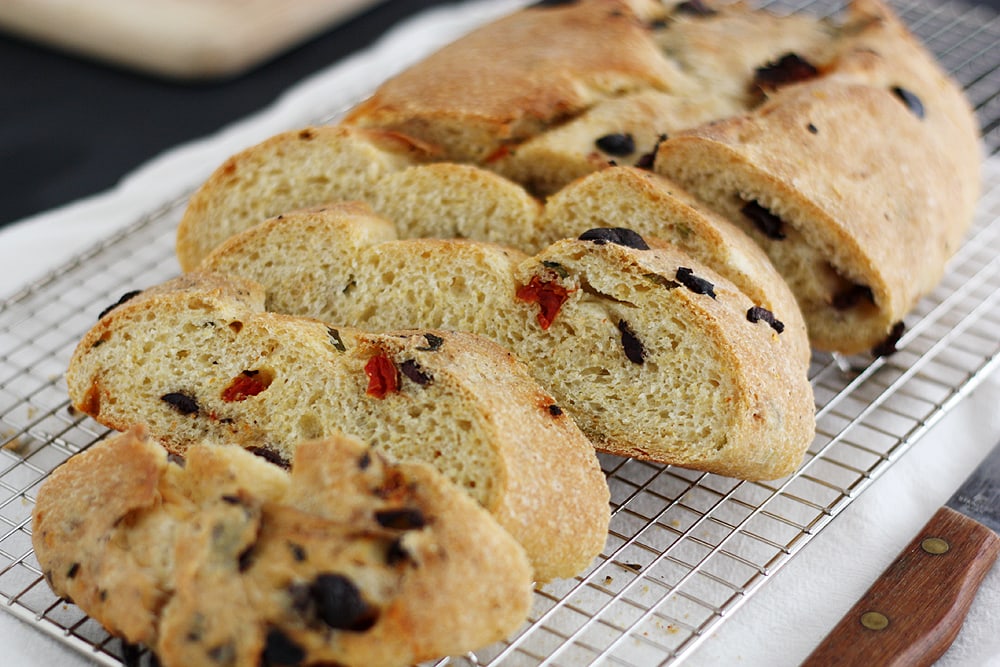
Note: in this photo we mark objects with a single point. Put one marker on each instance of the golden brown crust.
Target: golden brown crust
(546, 64)
(226, 558)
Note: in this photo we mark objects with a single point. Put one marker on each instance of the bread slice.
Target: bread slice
(646, 365)
(660, 210)
(198, 359)
(331, 164)
(223, 558)
(860, 184)
(314, 166)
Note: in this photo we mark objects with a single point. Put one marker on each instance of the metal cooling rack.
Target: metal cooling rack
(685, 549)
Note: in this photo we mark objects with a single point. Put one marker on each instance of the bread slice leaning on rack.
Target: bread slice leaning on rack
(653, 354)
(197, 359)
(223, 558)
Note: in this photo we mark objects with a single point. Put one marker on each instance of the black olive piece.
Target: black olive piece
(340, 605)
(634, 350)
(245, 559)
(335, 340)
(619, 144)
(72, 571)
(695, 7)
(888, 346)
(555, 410)
(365, 461)
(646, 160)
(396, 553)
(406, 518)
(852, 296)
(790, 68)
(270, 456)
(298, 552)
(124, 297)
(768, 223)
(911, 101)
(184, 404)
(434, 343)
(812, 129)
(280, 651)
(759, 313)
(697, 285)
(617, 235)
(412, 370)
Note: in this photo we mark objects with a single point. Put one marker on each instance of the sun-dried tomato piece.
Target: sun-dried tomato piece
(550, 296)
(245, 385)
(383, 377)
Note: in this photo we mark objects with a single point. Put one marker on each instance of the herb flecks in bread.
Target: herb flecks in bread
(221, 557)
(650, 351)
(197, 359)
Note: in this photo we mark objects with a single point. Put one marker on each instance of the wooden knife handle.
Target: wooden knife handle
(915, 609)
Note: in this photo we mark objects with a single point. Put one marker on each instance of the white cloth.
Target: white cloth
(780, 623)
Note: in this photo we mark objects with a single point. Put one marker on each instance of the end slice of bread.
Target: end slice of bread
(348, 559)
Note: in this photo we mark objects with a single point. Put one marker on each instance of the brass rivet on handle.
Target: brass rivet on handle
(874, 620)
(935, 545)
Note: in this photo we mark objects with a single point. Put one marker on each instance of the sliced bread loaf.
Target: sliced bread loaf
(650, 351)
(198, 359)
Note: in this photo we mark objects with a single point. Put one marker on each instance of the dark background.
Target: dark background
(71, 127)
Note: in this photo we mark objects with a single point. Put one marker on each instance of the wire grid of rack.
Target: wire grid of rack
(685, 548)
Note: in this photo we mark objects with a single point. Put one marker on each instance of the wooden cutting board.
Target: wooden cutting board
(179, 39)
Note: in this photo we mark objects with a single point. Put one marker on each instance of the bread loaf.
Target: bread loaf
(197, 359)
(648, 350)
(841, 147)
(860, 184)
(223, 558)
